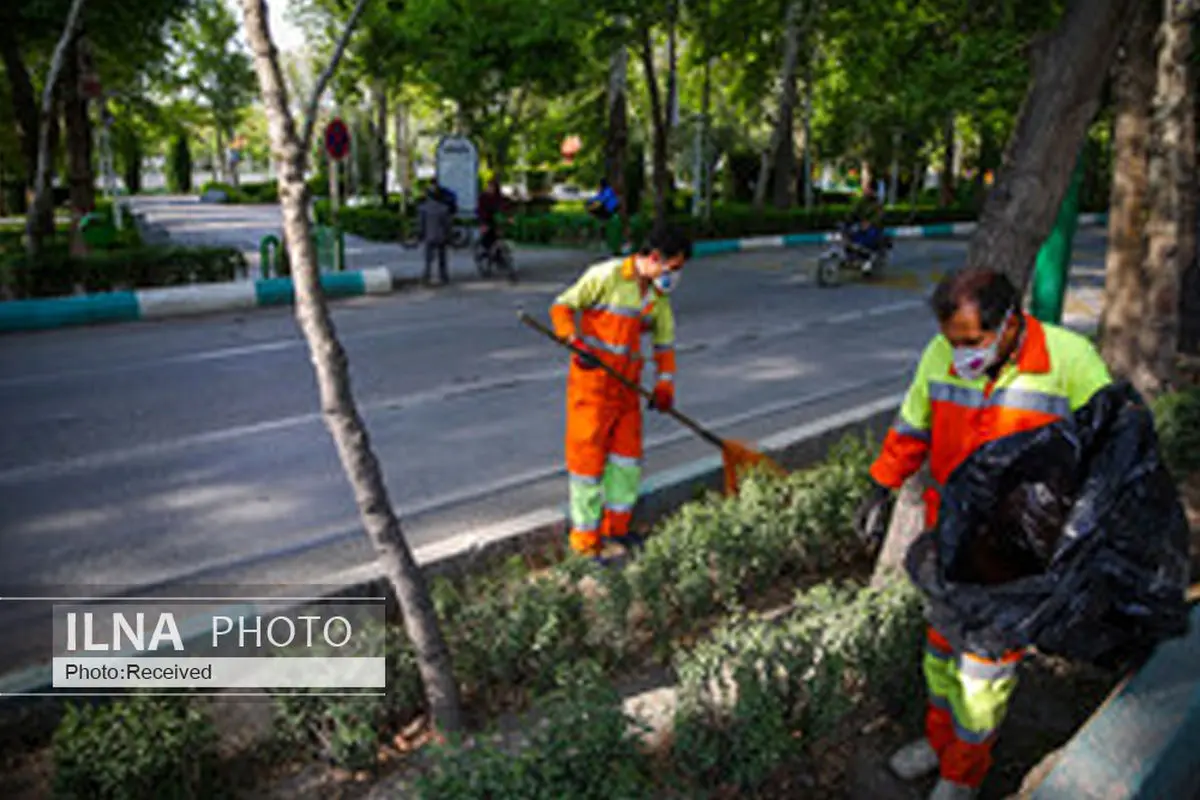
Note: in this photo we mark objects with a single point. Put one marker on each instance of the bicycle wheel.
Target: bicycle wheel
(505, 262)
(483, 260)
(460, 236)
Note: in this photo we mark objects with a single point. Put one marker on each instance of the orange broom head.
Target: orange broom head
(737, 457)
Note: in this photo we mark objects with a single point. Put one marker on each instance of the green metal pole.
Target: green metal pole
(1052, 271)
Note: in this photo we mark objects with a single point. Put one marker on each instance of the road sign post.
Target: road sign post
(337, 147)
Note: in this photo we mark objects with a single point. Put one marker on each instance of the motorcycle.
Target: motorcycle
(843, 256)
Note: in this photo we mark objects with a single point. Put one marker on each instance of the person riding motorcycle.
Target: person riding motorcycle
(865, 231)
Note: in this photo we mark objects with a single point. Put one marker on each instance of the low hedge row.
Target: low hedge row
(515, 635)
(57, 273)
(792, 681)
(575, 227)
(262, 192)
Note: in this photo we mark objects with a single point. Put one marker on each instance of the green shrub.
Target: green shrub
(264, 192)
(143, 747)
(57, 273)
(1177, 418)
(584, 748)
(348, 730)
(752, 684)
(713, 555)
(370, 222)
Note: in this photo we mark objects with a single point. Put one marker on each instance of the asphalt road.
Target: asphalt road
(193, 451)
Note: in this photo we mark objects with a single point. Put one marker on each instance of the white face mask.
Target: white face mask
(972, 362)
(668, 281)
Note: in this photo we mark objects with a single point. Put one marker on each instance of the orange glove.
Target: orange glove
(664, 396)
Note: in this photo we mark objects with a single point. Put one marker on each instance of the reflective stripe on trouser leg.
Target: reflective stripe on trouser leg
(587, 504)
(589, 424)
(940, 683)
(977, 706)
(622, 473)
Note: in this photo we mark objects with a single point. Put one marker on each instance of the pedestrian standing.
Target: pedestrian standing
(434, 219)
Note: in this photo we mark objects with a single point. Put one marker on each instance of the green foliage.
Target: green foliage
(57, 273)
(348, 730)
(264, 192)
(179, 165)
(374, 223)
(584, 747)
(143, 747)
(713, 555)
(212, 63)
(1177, 419)
(755, 689)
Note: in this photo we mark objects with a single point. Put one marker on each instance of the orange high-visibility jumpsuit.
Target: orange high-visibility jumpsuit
(1053, 373)
(604, 418)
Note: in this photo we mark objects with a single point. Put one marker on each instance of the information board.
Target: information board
(458, 171)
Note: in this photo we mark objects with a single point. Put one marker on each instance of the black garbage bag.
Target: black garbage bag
(1069, 537)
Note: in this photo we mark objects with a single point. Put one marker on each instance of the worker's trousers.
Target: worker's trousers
(604, 465)
(968, 699)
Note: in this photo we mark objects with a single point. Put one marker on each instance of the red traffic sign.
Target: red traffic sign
(337, 139)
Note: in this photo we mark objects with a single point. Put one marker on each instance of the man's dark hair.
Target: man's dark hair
(604, 183)
(670, 241)
(988, 290)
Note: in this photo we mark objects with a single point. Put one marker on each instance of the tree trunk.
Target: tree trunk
(658, 114)
(705, 159)
(381, 148)
(616, 141)
(1124, 282)
(947, 178)
(403, 171)
(333, 378)
(24, 101)
(865, 174)
(43, 197)
(784, 119)
(1069, 68)
(82, 180)
(1171, 225)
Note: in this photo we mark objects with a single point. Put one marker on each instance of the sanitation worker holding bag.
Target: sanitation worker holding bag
(991, 372)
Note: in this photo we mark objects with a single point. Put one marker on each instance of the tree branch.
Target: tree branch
(310, 116)
(651, 78)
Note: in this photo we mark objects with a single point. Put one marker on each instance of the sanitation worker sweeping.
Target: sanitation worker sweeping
(616, 301)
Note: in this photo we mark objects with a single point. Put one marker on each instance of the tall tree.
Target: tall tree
(213, 67)
(291, 149)
(1171, 224)
(34, 229)
(661, 102)
(1069, 70)
(1123, 318)
(781, 135)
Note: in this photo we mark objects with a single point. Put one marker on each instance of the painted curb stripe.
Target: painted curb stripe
(57, 312)
(199, 299)
(280, 292)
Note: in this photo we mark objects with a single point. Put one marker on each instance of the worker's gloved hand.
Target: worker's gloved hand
(873, 514)
(584, 358)
(664, 396)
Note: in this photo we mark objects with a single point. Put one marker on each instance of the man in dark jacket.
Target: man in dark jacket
(434, 219)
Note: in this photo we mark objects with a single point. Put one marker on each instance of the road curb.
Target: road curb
(175, 301)
(1141, 744)
(935, 231)
(535, 532)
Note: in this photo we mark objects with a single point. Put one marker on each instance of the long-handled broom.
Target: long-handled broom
(735, 456)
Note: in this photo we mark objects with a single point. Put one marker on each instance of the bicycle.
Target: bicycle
(494, 260)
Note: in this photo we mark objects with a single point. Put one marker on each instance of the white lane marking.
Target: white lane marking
(113, 457)
(219, 354)
(352, 527)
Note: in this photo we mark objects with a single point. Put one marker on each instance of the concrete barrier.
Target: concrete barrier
(1144, 743)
